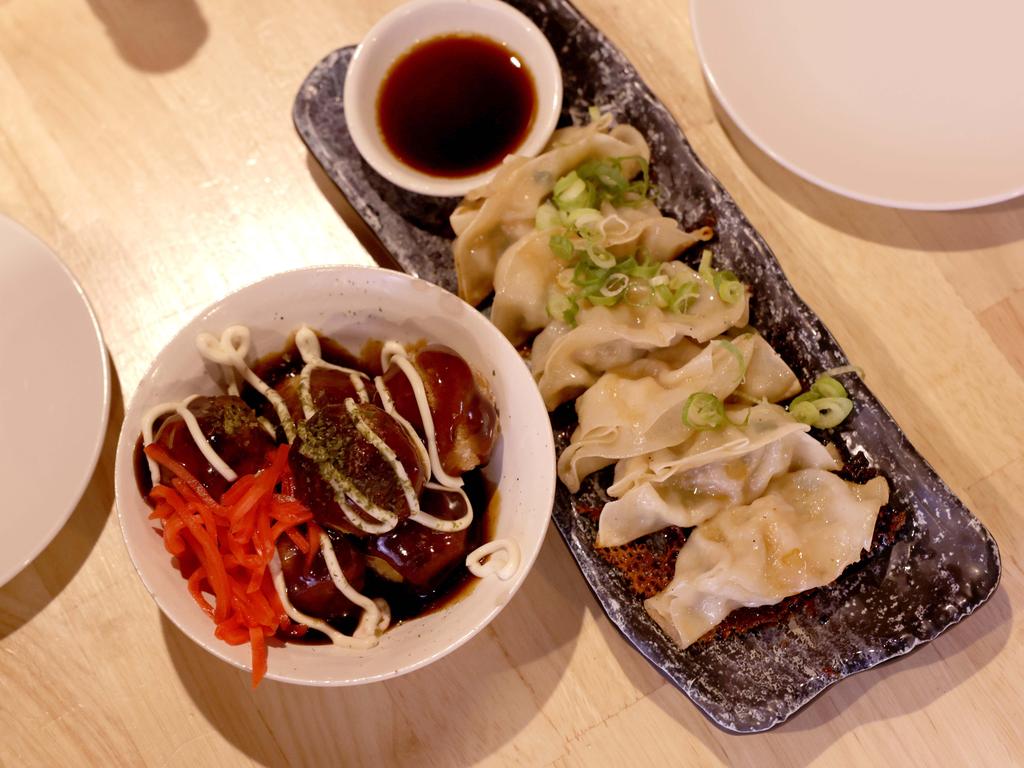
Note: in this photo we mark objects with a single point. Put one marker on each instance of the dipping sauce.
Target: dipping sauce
(455, 105)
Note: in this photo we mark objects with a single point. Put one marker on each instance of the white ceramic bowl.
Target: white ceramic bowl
(352, 305)
(421, 20)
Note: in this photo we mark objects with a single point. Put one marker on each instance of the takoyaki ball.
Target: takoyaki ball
(312, 590)
(418, 556)
(464, 417)
(326, 387)
(331, 455)
(233, 432)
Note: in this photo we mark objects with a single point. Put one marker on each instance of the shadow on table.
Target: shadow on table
(962, 230)
(456, 711)
(46, 577)
(366, 236)
(153, 35)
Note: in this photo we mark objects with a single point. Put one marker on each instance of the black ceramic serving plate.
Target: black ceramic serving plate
(944, 563)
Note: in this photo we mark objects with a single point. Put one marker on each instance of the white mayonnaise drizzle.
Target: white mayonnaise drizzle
(345, 489)
(389, 406)
(230, 350)
(181, 408)
(354, 643)
(395, 352)
(374, 620)
(428, 520)
(389, 455)
(425, 519)
(502, 559)
(309, 348)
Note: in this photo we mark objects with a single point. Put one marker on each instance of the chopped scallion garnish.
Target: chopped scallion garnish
(741, 362)
(824, 405)
(561, 246)
(703, 411)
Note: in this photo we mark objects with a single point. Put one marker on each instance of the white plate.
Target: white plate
(54, 396)
(909, 104)
(353, 305)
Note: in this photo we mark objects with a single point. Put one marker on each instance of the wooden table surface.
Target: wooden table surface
(150, 144)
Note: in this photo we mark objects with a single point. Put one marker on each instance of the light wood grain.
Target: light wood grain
(150, 143)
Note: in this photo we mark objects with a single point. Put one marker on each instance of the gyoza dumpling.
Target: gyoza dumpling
(686, 484)
(802, 533)
(497, 214)
(768, 377)
(527, 270)
(568, 359)
(621, 417)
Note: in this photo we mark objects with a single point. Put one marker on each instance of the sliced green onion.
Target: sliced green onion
(741, 361)
(604, 301)
(822, 406)
(615, 284)
(807, 397)
(831, 411)
(602, 258)
(586, 220)
(571, 192)
(643, 271)
(805, 412)
(558, 304)
(730, 291)
(547, 217)
(561, 246)
(663, 296)
(704, 270)
(564, 279)
(684, 294)
(585, 273)
(826, 386)
(703, 411)
(571, 312)
(678, 280)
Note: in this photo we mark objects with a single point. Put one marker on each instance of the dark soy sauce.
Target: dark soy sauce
(455, 105)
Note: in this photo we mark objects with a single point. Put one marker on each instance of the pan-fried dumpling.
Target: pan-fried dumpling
(807, 528)
(686, 484)
(621, 417)
(497, 214)
(522, 279)
(526, 271)
(568, 359)
(768, 377)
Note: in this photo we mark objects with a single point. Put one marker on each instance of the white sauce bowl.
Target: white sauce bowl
(422, 20)
(353, 305)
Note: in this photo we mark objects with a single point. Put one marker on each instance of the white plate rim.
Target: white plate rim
(764, 146)
(7, 573)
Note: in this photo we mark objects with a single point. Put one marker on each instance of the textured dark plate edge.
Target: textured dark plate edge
(808, 314)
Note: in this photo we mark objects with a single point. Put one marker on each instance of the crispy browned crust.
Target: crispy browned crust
(648, 565)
